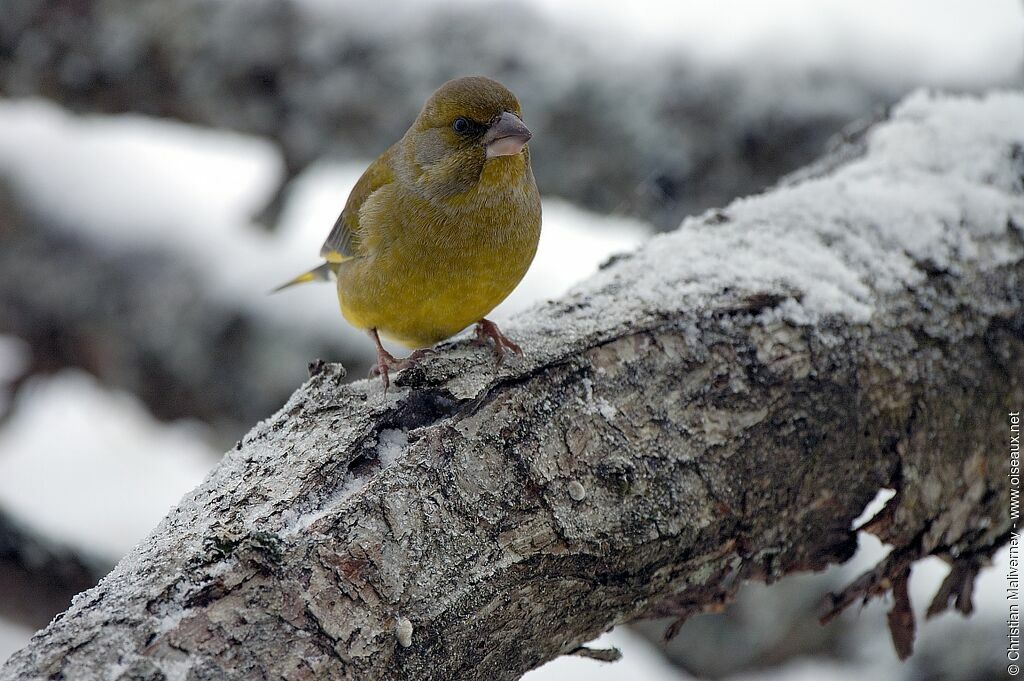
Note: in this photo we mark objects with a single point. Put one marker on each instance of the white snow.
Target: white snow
(89, 466)
(391, 444)
(640, 660)
(882, 497)
(923, 42)
(837, 240)
(598, 405)
(13, 637)
(926, 42)
(104, 173)
(803, 669)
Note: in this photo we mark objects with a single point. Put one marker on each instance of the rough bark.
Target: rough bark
(679, 424)
(344, 80)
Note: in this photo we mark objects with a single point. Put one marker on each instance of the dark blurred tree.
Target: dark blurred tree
(659, 138)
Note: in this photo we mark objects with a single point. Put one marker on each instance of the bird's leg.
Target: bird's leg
(385, 361)
(488, 332)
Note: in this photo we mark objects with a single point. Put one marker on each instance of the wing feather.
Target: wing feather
(344, 240)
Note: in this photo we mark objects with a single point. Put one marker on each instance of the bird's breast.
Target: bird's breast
(443, 270)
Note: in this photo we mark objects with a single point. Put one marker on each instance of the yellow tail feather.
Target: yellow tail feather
(321, 273)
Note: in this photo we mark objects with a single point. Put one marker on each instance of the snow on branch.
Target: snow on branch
(716, 407)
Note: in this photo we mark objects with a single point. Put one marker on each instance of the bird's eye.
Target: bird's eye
(460, 125)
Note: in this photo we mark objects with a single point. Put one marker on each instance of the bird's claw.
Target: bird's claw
(487, 332)
(386, 362)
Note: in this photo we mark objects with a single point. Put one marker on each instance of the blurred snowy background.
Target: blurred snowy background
(164, 163)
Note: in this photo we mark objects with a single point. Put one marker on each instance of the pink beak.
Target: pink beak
(506, 136)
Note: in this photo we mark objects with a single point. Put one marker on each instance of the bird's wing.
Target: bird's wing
(344, 240)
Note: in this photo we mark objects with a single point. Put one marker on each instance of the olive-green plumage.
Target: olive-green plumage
(444, 224)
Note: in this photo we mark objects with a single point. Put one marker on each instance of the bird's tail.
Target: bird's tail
(321, 273)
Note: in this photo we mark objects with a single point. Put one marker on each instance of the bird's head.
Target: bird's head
(465, 125)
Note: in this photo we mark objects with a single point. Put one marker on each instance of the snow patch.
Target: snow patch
(596, 405)
(640, 660)
(832, 244)
(965, 41)
(391, 444)
(873, 507)
(90, 467)
(13, 637)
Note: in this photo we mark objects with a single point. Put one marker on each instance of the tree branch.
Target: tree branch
(717, 407)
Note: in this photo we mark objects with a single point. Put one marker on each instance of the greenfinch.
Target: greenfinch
(440, 228)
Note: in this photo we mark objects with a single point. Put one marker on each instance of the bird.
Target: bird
(440, 228)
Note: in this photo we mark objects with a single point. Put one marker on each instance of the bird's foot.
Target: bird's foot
(487, 332)
(417, 355)
(386, 362)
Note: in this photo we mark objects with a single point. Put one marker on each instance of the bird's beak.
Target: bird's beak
(506, 136)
